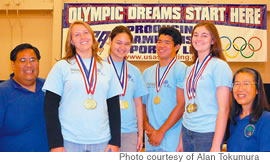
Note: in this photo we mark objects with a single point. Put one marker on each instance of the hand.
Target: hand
(180, 144)
(149, 131)
(156, 137)
(58, 149)
(139, 143)
(179, 147)
(215, 149)
(112, 148)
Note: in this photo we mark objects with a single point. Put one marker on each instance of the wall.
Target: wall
(39, 23)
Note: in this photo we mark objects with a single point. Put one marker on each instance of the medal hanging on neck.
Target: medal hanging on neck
(192, 81)
(122, 80)
(90, 80)
(160, 81)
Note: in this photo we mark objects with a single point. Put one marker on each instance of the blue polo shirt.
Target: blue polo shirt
(22, 121)
(248, 137)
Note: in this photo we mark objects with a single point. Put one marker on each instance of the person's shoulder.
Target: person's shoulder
(103, 64)
(180, 64)
(5, 83)
(219, 61)
(219, 64)
(133, 67)
(266, 115)
(153, 67)
(40, 80)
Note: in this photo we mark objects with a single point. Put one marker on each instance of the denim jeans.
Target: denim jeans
(75, 147)
(196, 142)
(128, 142)
(157, 150)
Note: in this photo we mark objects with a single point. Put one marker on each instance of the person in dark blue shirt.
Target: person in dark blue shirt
(22, 121)
(250, 116)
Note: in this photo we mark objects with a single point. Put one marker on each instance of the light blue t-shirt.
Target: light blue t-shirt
(216, 74)
(135, 88)
(159, 113)
(81, 125)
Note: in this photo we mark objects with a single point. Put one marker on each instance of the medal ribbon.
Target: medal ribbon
(123, 74)
(194, 76)
(89, 76)
(160, 81)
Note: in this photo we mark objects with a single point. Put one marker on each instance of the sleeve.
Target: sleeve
(54, 80)
(140, 88)
(114, 120)
(51, 106)
(264, 134)
(180, 75)
(222, 75)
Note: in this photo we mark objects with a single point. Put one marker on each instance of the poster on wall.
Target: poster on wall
(242, 28)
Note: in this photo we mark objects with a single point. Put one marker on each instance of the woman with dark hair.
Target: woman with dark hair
(133, 87)
(207, 92)
(250, 120)
(82, 97)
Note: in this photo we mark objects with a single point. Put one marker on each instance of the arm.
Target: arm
(180, 144)
(139, 113)
(176, 114)
(55, 137)
(223, 100)
(115, 124)
(147, 127)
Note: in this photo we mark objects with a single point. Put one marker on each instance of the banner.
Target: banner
(242, 28)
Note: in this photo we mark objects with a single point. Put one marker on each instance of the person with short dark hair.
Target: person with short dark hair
(164, 103)
(250, 116)
(22, 121)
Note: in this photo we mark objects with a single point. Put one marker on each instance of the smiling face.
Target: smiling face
(165, 47)
(26, 68)
(81, 38)
(202, 40)
(120, 46)
(244, 89)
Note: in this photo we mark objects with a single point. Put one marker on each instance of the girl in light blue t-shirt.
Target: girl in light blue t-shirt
(207, 92)
(133, 88)
(82, 97)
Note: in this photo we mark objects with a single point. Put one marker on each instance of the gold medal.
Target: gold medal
(156, 100)
(123, 104)
(90, 104)
(192, 108)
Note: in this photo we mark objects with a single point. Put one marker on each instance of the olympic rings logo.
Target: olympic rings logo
(240, 48)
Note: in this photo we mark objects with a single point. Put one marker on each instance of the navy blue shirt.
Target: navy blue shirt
(247, 137)
(22, 121)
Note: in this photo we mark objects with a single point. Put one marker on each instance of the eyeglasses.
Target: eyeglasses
(244, 85)
(25, 60)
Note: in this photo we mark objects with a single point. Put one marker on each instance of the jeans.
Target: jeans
(157, 150)
(128, 142)
(75, 147)
(196, 142)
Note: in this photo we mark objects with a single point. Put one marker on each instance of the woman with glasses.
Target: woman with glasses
(250, 120)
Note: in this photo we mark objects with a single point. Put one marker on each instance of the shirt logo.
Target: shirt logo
(130, 78)
(75, 70)
(249, 130)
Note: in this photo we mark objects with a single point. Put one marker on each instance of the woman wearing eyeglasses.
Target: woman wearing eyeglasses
(250, 120)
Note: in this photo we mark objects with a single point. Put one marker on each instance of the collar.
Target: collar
(39, 84)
